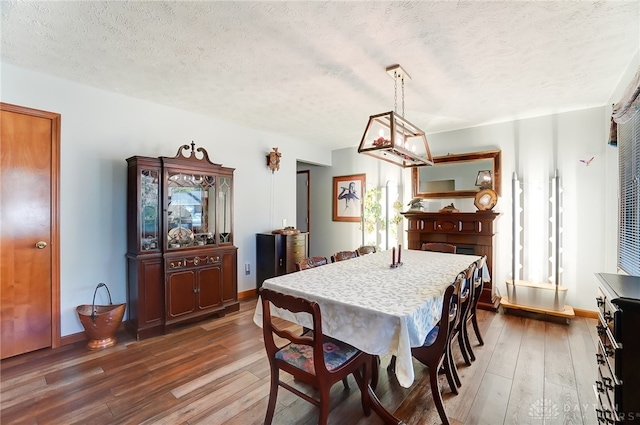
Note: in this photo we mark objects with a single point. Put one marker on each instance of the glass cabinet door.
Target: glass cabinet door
(224, 210)
(149, 202)
(191, 209)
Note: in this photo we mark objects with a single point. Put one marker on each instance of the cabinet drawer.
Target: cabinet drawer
(609, 314)
(604, 412)
(609, 386)
(176, 263)
(610, 356)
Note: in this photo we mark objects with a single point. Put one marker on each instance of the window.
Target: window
(629, 177)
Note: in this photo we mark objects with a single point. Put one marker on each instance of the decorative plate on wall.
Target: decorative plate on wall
(486, 199)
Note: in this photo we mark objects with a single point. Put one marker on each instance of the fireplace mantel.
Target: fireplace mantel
(471, 233)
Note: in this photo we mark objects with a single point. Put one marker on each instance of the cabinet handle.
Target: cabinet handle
(599, 301)
(281, 262)
(600, 415)
(608, 317)
(601, 330)
(608, 349)
(599, 387)
(600, 358)
(607, 383)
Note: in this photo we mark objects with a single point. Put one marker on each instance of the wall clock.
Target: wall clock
(486, 199)
(273, 160)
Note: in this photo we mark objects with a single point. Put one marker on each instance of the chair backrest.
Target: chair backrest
(439, 247)
(478, 281)
(311, 262)
(450, 312)
(313, 338)
(467, 293)
(367, 249)
(343, 255)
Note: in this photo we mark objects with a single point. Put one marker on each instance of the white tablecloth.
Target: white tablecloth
(373, 307)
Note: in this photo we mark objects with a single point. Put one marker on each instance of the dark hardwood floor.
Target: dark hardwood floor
(215, 372)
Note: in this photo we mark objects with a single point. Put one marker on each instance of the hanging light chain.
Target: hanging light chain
(395, 92)
(403, 96)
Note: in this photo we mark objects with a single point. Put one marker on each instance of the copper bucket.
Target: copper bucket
(101, 322)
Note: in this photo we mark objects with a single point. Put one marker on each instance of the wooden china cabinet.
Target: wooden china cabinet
(181, 261)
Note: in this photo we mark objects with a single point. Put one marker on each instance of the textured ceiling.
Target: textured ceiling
(315, 71)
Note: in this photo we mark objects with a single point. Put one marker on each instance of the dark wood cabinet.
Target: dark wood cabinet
(471, 233)
(617, 384)
(181, 261)
(277, 254)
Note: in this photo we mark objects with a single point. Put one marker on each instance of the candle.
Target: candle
(393, 256)
(399, 252)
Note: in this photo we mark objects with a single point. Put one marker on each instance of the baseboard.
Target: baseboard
(72, 338)
(251, 293)
(586, 313)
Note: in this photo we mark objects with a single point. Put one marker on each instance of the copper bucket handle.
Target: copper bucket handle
(94, 312)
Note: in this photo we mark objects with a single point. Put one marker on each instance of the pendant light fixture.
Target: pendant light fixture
(390, 137)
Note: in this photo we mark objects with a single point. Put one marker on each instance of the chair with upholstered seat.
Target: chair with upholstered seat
(433, 351)
(457, 331)
(311, 358)
(367, 249)
(478, 285)
(343, 255)
(311, 262)
(439, 247)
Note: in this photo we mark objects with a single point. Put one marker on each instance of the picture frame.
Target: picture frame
(348, 197)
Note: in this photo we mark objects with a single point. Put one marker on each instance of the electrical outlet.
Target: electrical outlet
(247, 268)
(284, 223)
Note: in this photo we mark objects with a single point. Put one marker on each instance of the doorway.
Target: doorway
(302, 201)
(30, 241)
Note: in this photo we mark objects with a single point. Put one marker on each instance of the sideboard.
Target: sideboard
(471, 233)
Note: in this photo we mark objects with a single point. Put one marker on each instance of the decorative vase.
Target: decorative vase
(101, 322)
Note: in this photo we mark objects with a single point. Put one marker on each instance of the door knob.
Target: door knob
(41, 244)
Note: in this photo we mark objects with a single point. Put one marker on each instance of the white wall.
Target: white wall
(533, 147)
(99, 130)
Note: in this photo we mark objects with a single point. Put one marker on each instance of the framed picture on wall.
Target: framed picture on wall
(348, 196)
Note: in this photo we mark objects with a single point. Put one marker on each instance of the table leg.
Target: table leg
(377, 407)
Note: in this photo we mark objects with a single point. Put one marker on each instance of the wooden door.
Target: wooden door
(29, 244)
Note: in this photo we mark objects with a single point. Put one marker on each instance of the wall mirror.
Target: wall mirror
(454, 176)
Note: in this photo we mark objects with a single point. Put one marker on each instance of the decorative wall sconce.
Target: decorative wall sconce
(273, 160)
(390, 137)
(484, 179)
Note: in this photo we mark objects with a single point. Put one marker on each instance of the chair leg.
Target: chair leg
(324, 405)
(452, 365)
(476, 329)
(467, 344)
(435, 393)
(463, 348)
(392, 364)
(273, 395)
(345, 382)
(375, 366)
(447, 371)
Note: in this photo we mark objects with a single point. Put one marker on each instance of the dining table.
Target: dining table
(378, 303)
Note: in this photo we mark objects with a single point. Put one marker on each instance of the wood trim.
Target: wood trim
(585, 313)
(55, 212)
(251, 293)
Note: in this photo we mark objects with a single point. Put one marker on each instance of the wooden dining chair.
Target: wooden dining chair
(439, 247)
(478, 285)
(343, 255)
(311, 358)
(367, 249)
(311, 262)
(457, 331)
(433, 351)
